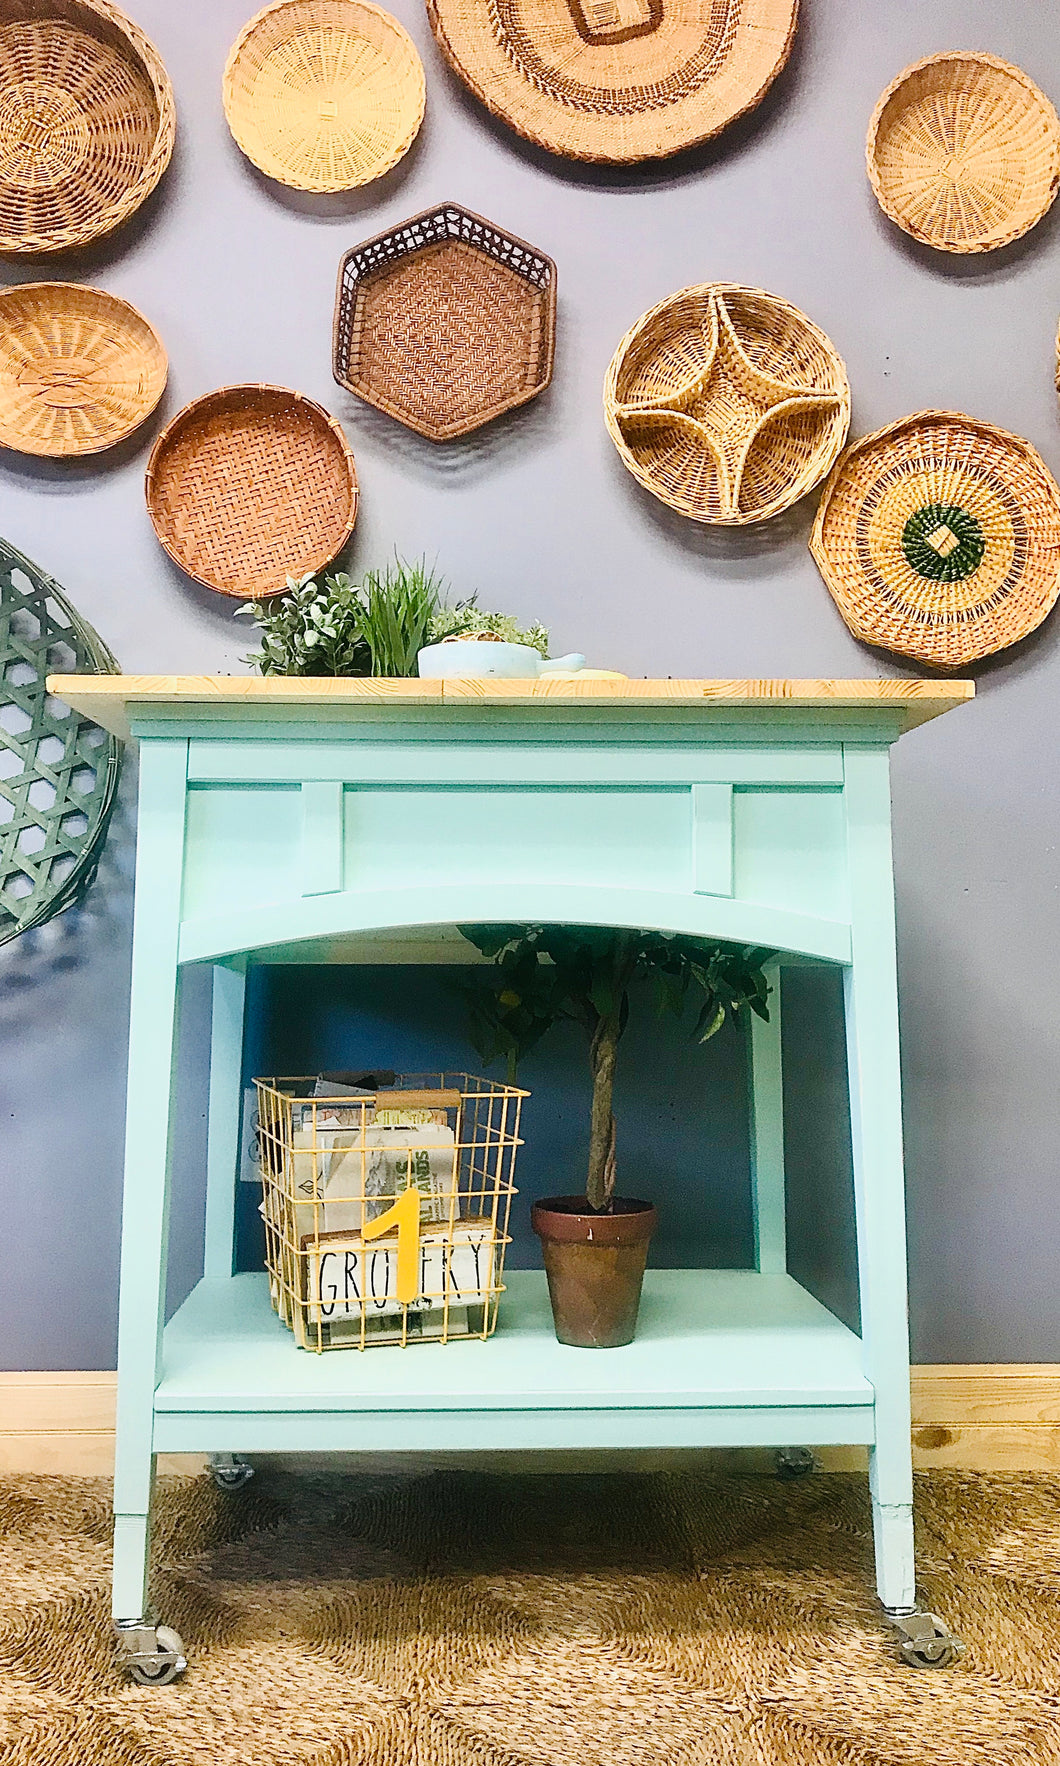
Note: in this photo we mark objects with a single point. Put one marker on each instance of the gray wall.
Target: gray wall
(536, 512)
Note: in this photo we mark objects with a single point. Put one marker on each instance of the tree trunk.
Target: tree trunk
(600, 1183)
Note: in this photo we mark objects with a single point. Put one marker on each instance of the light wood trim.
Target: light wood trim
(110, 698)
(1000, 1418)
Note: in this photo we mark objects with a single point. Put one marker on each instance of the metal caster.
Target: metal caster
(229, 1472)
(152, 1654)
(923, 1640)
(794, 1462)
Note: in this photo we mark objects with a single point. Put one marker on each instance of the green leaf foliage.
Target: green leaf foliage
(467, 619)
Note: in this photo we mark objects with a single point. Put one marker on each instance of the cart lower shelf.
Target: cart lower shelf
(722, 1358)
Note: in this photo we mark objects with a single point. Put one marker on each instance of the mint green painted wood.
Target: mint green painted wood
(712, 839)
(322, 836)
(767, 826)
(225, 1106)
(145, 1207)
(766, 1089)
(873, 1063)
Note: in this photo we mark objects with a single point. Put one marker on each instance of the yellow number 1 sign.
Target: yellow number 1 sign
(404, 1216)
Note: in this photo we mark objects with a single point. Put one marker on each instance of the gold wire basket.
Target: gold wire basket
(386, 1212)
(324, 94)
(87, 121)
(963, 152)
(939, 538)
(727, 403)
(79, 369)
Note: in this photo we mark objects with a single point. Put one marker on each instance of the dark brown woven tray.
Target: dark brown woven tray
(445, 322)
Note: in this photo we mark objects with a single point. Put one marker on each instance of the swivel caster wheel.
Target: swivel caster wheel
(923, 1640)
(152, 1655)
(229, 1472)
(794, 1462)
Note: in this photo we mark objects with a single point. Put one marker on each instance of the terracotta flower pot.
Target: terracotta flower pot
(595, 1267)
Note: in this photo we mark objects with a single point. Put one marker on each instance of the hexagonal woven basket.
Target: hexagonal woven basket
(58, 770)
(445, 322)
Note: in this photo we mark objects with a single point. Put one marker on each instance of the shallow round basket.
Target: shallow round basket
(727, 403)
(939, 539)
(58, 770)
(616, 81)
(251, 485)
(963, 152)
(86, 122)
(324, 94)
(79, 369)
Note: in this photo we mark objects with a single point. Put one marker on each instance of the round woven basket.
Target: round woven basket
(963, 152)
(58, 770)
(616, 81)
(250, 485)
(86, 122)
(727, 403)
(939, 538)
(324, 94)
(79, 369)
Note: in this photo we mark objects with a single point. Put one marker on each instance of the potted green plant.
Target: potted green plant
(376, 626)
(595, 1246)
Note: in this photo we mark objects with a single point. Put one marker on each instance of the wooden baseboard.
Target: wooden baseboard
(992, 1418)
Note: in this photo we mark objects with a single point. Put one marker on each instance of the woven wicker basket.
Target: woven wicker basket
(250, 485)
(616, 81)
(79, 369)
(324, 94)
(727, 403)
(963, 152)
(58, 770)
(445, 322)
(86, 122)
(939, 538)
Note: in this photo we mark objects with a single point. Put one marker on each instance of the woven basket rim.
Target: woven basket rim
(119, 210)
(697, 137)
(697, 291)
(9, 297)
(928, 418)
(402, 142)
(458, 427)
(200, 405)
(997, 65)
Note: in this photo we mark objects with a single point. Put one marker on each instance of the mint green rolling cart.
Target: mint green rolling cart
(272, 818)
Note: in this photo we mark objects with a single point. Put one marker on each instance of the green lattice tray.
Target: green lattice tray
(58, 770)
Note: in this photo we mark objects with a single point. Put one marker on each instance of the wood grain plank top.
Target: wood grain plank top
(111, 699)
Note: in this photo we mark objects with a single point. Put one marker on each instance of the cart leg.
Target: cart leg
(223, 1150)
(765, 1077)
(874, 1076)
(152, 1654)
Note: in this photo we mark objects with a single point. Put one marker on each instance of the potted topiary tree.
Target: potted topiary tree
(595, 1246)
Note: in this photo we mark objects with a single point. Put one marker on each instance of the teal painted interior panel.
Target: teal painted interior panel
(518, 836)
(243, 844)
(789, 850)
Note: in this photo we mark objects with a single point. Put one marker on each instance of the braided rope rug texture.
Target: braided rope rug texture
(474, 1619)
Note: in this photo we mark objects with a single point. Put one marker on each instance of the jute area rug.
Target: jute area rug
(466, 1619)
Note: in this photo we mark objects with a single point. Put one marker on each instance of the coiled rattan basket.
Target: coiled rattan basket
(79, 369)
(727, 403)
(963, 152)
(58, 770)
(86, 122)
(324, 94)
(939, 538)
(250, 485)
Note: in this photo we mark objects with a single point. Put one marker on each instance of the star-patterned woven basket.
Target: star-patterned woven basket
(963, 152)
(727, 403)
(58, 770)
(939, 539)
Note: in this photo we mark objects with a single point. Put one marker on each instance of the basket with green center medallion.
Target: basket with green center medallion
(939, 539)
(58, 770)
